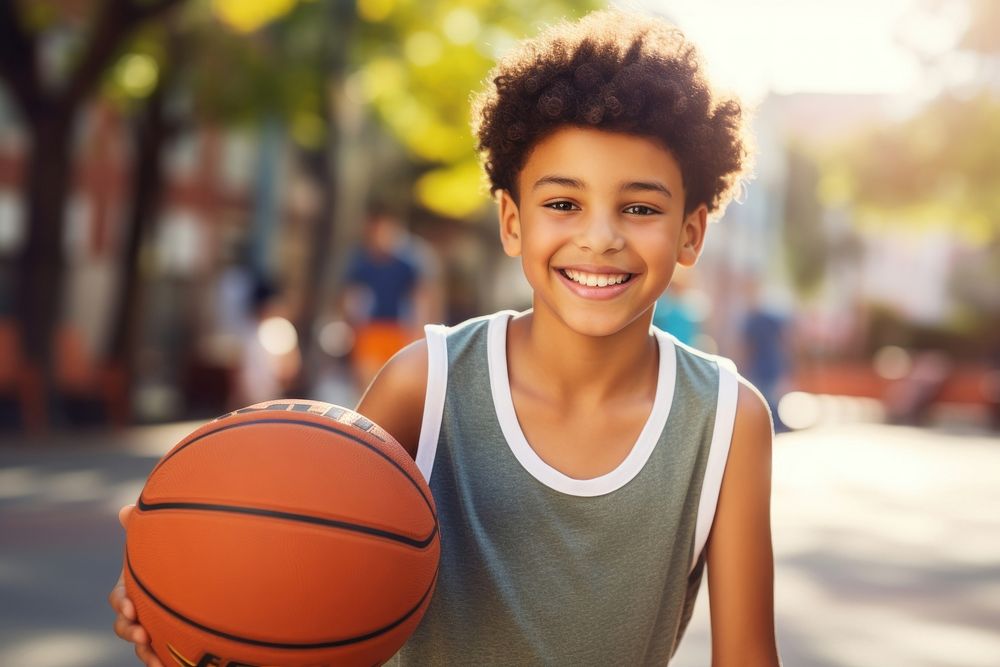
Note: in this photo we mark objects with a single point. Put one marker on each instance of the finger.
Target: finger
(145, 653)
(126, 608)
(129, 631)
(124, 513)
(120, 602)
(122, 626)
(138, 635)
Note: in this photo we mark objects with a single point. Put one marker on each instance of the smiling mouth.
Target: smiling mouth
(596, 279)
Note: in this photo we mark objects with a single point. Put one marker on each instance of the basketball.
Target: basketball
(287, 533)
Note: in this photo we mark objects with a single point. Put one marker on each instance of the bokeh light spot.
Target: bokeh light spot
(137, 74)
(798, 410)
(382, 77)
(461, 26)
(277, 335)
(892, 362)
(336, 338)
(454, 192)
(423, 48)
(245, 16)
(374, 11)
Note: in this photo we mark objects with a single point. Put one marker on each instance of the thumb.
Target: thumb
(124, 513)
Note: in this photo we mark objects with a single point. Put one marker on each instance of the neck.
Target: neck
(572, 365)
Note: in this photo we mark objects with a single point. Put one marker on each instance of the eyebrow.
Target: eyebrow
(565, 181)
(633, 186)
(647, 186)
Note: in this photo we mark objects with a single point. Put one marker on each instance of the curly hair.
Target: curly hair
(618, 72)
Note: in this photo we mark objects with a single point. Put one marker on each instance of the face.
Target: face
(600, 227)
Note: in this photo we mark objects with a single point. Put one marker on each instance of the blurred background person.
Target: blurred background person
(390, 290)
(269, 358)
(677, 312)
(764, 348)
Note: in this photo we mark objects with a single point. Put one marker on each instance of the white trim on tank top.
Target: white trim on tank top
(437, 384)
(597, 486)
(437, 387)
(718, 454)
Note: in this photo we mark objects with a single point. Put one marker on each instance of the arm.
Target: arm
(740, 558)
(395, 398)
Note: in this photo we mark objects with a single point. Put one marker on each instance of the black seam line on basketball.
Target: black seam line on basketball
(281, 645)
(290, 516)
(309, 424)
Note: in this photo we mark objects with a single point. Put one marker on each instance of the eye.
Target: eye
(640, 209)
(561, 205)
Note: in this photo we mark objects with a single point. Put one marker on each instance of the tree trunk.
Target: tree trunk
(152, 134)
(42, 264)
(340, 23)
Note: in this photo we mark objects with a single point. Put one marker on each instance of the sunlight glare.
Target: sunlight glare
(809, 46)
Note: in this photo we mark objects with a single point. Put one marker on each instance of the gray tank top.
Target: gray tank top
(538, 568)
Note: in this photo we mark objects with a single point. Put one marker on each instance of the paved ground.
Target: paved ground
(887, 548)
(887, 543)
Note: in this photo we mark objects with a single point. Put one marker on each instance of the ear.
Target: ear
(510, 225)
(693, 236)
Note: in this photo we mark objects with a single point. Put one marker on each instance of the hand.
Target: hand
(125, 621)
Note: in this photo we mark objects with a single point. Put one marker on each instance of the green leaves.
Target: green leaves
(938, 167)
(418, 65)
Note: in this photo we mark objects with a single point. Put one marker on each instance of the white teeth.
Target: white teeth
(596, 279)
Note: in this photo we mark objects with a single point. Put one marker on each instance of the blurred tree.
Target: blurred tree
(52, 61)
(938, 167)
(808, 247)
(154, 126)
(413, 64)
(53, 58)
(417, 64)
(264, 67)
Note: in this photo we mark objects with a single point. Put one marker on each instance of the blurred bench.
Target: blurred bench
(932, 382)
(81, 376)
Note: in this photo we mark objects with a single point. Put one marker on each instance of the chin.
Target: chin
(598, 325)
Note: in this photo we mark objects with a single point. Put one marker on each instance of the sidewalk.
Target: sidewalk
(887, 547)
(887, 550)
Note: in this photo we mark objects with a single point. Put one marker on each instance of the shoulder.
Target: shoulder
(746, 484)
(395, 398)
(753, 428)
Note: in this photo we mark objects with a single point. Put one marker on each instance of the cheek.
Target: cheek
(543, 241)
(655, 243)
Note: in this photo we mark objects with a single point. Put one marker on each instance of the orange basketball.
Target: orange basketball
(288, 533)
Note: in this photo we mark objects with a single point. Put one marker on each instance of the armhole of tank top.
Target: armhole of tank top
(437, 383)
(718, 454)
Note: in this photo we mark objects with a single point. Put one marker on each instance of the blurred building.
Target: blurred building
(878, 283)
(208, 207)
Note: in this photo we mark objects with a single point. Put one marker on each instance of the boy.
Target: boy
(585, 466)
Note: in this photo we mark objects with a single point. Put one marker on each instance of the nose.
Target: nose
(599, 233)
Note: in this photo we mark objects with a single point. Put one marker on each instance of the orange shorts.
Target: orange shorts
(376, 342)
